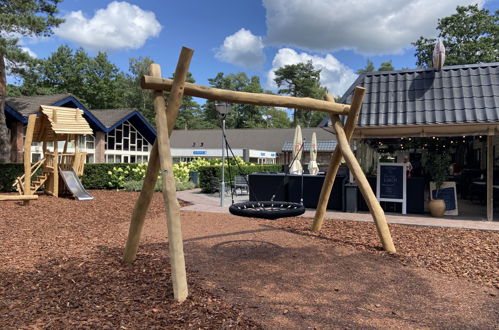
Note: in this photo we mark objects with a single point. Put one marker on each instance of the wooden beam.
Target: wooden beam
(371, 200)
(304, 103)
(18, 197)
(334, 162)
(165, 121)
(28, 139)
(490, 176)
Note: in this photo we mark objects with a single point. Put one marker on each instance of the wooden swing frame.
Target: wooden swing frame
(160, 158)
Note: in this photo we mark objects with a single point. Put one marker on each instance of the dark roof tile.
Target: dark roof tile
(456, 94)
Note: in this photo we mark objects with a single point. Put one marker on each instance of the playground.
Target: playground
(61, 268)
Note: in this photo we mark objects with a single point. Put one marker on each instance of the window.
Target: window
(35, 157)
(90, 158)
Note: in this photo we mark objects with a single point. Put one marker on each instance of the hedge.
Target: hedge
(209, 176)
(8, 174)
(95, 175)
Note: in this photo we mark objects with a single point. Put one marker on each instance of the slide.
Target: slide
(74, 185)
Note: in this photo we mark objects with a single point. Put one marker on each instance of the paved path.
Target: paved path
(207, 203)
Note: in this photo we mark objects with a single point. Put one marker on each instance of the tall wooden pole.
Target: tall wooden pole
(490, 176)
(371, 200)
(145, 197)
(28, 139)
(334, 162)
(161, 149)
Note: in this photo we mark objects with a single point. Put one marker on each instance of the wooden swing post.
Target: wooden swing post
(335, 161)
(27, 156)
(161, 159)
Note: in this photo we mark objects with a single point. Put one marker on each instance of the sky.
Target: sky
(252, 36)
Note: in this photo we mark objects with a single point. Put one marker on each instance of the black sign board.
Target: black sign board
(391, 183)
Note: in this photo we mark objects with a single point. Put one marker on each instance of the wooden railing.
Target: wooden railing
(19, 183)
(68, 161)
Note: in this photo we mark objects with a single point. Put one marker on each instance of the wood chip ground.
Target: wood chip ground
(61, 268)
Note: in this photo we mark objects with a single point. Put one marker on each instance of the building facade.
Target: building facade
(120, 135)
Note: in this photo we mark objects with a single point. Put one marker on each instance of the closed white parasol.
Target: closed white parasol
(313, 168)
(438, 55)
(295, 166)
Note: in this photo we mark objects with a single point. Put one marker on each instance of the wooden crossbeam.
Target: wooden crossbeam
(304, 103)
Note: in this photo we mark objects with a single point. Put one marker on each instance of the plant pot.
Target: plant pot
(437, 207)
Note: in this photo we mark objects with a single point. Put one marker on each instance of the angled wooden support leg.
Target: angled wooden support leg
(371, 200)
(175, 242)
(141, 207)
(144, 200)
(334, 162)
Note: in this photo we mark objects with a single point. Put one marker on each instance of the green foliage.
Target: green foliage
(241, 115)
(277, 118)
(437, 167)
(368, 68)
(385, 66)
(469, 36)
(10, 171)
(94, 80)
(209, 176)
(20, 18)
(300, 80)
(96, 175)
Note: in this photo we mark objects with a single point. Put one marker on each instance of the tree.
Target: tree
(276, 118)
(98, 83)
(470, 36)
(20, 18)
(386, 66)
(300, 80)
(368, 68)
(241, 115)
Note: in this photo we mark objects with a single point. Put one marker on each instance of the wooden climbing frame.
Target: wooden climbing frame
(160, 158)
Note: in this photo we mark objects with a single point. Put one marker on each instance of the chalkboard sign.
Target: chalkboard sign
(447, 192)
(391, 183)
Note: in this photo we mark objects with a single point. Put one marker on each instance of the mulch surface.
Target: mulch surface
(61, 268)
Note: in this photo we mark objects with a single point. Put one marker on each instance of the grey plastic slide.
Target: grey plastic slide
(74, 185)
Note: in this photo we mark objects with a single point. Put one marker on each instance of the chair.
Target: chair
(241, 183)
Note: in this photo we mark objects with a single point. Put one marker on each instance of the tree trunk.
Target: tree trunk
(4, 132)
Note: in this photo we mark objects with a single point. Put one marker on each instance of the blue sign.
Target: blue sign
(273, 154)
(262, 154)
(199, 152)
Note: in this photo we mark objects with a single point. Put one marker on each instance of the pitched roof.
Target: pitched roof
(56, 121)
(269, 139)
(321, 145)
(109, 117)
(461, 94)
(26, 105)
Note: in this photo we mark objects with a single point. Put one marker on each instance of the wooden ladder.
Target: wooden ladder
(35, 184)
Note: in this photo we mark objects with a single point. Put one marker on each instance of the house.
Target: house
(258, 145)
(458, 105)
(119, 135)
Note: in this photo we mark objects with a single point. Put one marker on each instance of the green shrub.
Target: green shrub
(209, 176)
(8, 174)
(136, 185)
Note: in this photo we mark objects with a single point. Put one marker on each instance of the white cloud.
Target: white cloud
(369, 27)
(243, 49)
(334, 75)
(119, 26)
(29, 52)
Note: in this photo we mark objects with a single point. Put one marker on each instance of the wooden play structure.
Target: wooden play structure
(160, 158)
(51, 124)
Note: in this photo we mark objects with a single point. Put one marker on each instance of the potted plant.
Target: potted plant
(438, 170)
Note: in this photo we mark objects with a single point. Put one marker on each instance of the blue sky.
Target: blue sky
(251, 36)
